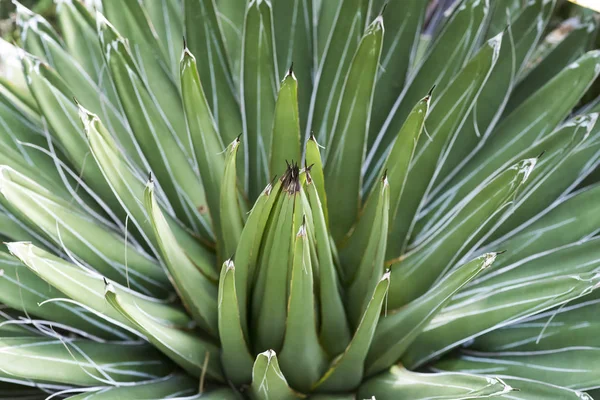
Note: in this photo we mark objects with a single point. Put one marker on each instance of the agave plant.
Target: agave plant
(281, 206)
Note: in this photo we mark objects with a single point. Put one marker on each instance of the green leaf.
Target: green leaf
(258, 92)
(231, 215)
(169, 386)
(197, 292)
(285, 146)
(315, 163)
(445, 118)
(334, 331)
(268, 382)
(165, 16)
(347, 370)
(398, 330)
(294, 39)
(441, 63)
(470, 220)
(341, 36)
(402, 383)
(79, 362)
(534, 390)
(235, 355)
(91, 240)
(205, 40)
(458, 323)
(347, 144)
(302, 358)
(571, 367)
(165, 152)
(188, 350)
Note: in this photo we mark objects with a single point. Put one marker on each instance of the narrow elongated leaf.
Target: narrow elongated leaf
(165, 152)
(165, 16)
(302, 358)
(188, 350)
(169, 386)
(533, 390)
(341, 39)
(397, 331)
(88, 239)
(205, 40)
(268, 382)
(79, 362)
(402, 383)
(347, 144)
(419, 269)
(285, 146)
(347, 369)
(230, 209)
(197, 292)
(440, 64)
(235, 355)
(447, 115)
(458, 324)
(334, 330)
(315, 163)
(571, 367)
(258, 93)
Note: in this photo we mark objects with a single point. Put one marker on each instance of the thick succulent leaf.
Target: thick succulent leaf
(447, 115)
(401, 383)
(347, 144)
(572, 324)
(192, 353)
(302, 359)
(577, 35)
(524, 127)
(533, 390)
(165, 17)
(398, 330)
(571, 367)
(464, 321)
(368, 252)
(230, 209)
(165, 152)
(231, 14)
(522, 35)
(268, 382)
(258, 92)
(235, 354)
(294, 40)
(334, 330)
(204, 38)
(79, 362)
(440, 64)
(178, 385)
(419, 269)
(337, 45)
(285, 145)
(208, 145)
(404, 21)
(88, 239)
(347, 370)
(23, 290)
(315, 163)
(197, 291)
(570, 220)
(129, 186)
(246, 256)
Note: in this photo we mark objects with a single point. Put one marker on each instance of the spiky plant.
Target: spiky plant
(331, 230)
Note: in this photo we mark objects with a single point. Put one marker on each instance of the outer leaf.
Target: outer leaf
(258, 92)
(533, 390)
(397, 331)
(418, 270)
(285, 146)
(315, 163)
(165, 16)
(347, 369)
(197, 292)
(302, 358)
(229, 208)
(231, 15)
(402, 383)
(204, 38)
(347, 144)
(268, 383)
(235, 354)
